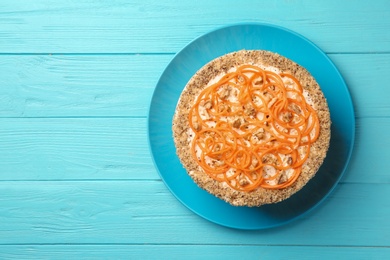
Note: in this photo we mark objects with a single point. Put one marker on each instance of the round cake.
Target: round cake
(252, 127)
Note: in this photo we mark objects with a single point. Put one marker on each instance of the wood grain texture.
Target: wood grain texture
(190, 252)
(74, 148)
(123, 26)
(145, 212)
(122, 85)
(76, 177)
(50, 85)
(117, 149)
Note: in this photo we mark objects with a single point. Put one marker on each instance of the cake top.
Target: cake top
(252, 127)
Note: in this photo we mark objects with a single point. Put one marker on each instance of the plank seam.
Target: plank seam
(189, 244)
(87, 53)
(152, 53)
(71, 117)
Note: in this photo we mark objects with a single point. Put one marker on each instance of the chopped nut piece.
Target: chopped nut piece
(259, 136)
(219, 163)
(265, 159)
(222, 108)
(225, 92)
(254, 175)
(237, 123)
(267, 96)
(260, 133)
(240, 79)
(287, 117)
(197, 126)
(254, 139)
(282, 178)
(242, 180)
(259, 80)
(289, 160)
(205, 114)
(250, 111)
(269, 159)
(208, 104)
(255, 162)
(295, 108)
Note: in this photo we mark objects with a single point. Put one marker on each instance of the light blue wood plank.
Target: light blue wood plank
(190, 252)
(73, 26)
(55, 149)
(46, 85)
(369, 162)
(117, 148)
(122, 85)
(144, 212)
(366, 77)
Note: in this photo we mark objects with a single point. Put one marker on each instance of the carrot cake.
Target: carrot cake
(252, 127)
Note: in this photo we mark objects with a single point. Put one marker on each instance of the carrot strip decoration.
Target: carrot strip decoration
(253, 128)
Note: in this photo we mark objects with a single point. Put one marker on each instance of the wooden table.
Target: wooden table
(76, 176)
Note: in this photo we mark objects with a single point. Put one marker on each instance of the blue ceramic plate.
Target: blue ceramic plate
(219, 42)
